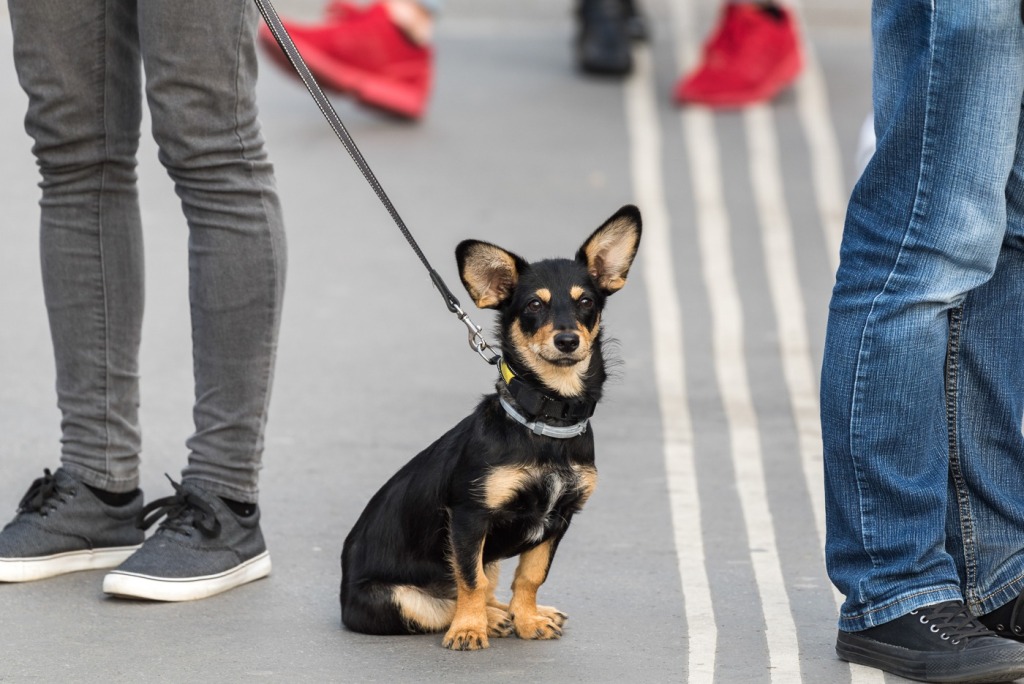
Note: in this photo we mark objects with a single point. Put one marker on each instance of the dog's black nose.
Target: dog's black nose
(567, 342)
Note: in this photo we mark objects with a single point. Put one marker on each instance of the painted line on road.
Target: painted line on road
(826, 165)
(713, 228)
(727, 330)
(714, 238)
(787, 301)
(788, 305)
(670, 369)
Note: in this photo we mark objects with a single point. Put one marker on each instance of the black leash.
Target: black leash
(476, 339)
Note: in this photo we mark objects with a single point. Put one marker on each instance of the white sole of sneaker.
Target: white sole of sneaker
(30, 569)
(136, 586)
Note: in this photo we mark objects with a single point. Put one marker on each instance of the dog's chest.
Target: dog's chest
(528, 505)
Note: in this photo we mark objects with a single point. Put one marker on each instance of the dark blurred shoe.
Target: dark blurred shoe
(362, 52)
(752, 55)
(603, 40)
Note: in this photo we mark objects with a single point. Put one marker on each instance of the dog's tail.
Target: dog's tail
(376, 608)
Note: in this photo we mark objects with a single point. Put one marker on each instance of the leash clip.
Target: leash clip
(476, 338)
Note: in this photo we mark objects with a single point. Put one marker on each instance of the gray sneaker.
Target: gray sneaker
(62, 527)
(200, 549)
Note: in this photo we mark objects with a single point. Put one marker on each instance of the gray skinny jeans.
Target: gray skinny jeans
(81, 64)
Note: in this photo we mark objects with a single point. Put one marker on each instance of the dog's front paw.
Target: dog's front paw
(465, 639)
(546, 623)
(553, 614)
(499, 622)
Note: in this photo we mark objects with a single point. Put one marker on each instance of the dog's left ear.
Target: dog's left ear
(609, 252)
(488, 272)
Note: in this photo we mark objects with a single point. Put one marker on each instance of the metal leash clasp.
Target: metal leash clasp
(476, 338)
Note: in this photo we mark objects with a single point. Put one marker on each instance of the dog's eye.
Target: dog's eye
(585, 303)
(534, 306)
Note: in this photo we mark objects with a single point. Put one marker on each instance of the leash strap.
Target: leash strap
(476, 340)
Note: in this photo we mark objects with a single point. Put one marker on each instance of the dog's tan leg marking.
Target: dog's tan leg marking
(532, 621)
(586, 476)
(493, 572)
(424, 613)
(499, 624)
(468, 631)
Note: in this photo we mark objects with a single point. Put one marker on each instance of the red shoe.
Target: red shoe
(360, 51)
(752, 56)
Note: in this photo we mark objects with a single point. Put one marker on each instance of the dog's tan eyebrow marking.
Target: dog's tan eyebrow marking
(544, 294)
(576, 292)
(502, 484)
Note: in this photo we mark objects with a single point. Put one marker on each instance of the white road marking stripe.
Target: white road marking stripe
(730, 367)
(734, 386)
(727, 325)
(669, 368)
(826, 166)
(787, 300)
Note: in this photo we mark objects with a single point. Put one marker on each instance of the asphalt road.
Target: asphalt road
(699, 556)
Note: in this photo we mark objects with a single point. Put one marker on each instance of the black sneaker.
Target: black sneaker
(603, 41)
(1007, 621)
(939, 643)
(62, 527)
(201, 548)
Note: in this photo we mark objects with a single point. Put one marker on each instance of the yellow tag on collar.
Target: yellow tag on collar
(506, 372)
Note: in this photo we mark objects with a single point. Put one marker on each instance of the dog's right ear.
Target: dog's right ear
(489, 272)
(609, 252)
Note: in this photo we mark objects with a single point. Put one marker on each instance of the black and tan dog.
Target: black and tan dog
(506, 481)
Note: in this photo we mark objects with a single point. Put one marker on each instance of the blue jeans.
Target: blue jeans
(923, 381)
(81, 65)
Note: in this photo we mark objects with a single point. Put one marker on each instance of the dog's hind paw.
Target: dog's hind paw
(499, 623)
(465, 640)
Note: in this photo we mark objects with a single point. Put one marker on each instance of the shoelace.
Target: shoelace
(184, 511)
(41, 495)
(952, 621)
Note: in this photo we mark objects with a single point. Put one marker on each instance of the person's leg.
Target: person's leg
(81, 72)
(985, 390)
(994, 575)
(415, 18)
(80, 69)
(924, 228)
(915, 343)
(200, 63)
